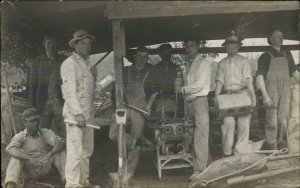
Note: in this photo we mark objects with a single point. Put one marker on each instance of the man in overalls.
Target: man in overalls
(275, 68)
(135, 92)
(78, 78)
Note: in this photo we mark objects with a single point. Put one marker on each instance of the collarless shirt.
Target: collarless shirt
(78, 87)
(197, 78)
(234, 71)
(35, 146)
(264, 61)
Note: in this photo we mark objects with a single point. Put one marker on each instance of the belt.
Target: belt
(234, 91)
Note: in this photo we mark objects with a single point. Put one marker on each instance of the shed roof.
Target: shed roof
(150, 22)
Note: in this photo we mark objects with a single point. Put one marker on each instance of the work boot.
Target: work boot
(10, 184)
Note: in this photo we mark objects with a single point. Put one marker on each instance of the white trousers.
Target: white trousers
(80, 147)
(242, 144)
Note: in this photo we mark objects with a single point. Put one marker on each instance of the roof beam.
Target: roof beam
(222, 49)
(150, 9)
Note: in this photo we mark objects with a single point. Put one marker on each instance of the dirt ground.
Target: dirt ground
(104, 161)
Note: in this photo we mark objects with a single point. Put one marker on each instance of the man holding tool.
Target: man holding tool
(275, 68)
(135, 81)
(78, 78)
(197, 77)
(235, 74)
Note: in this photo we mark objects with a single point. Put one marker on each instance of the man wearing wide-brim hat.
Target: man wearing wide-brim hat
(78, 89)
(235, 74)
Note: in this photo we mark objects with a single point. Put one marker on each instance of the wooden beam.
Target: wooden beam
(119, 53)
(118, 32)
(151, 9)
(222, 49)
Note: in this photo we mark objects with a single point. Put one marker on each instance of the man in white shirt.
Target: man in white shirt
(235, 74)
(78, 78)
(197, 76)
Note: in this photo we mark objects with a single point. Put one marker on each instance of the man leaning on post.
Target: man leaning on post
(34, 151)
(78, 78)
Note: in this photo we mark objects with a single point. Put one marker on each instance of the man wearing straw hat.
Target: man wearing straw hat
(235, 74)
(78, 86)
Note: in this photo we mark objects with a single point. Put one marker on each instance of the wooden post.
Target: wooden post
(11, 111)
(119, 52)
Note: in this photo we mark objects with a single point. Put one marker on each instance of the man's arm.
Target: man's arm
(218, 91)
(150, 102)
(251, 89)
(18, 153)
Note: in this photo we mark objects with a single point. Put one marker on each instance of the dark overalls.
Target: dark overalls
(279, 89)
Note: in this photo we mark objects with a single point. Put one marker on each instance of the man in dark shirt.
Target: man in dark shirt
(135, 94)
(45, 86)
(162, 77)
(275, 68)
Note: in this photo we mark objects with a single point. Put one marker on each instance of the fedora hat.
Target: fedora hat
(80, 34)
(232, 39)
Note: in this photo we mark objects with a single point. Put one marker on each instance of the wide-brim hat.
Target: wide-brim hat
(232, 39)
(80, 34)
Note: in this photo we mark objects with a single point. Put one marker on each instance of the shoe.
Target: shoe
(11, 184)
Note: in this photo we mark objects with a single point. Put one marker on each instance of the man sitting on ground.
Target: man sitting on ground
(33, 151)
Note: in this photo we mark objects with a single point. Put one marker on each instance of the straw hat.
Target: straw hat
(80, 34)
(232, 39)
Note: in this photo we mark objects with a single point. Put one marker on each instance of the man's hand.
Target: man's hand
(267, 100)
(80, 119)
(253, 101)
(148, 110)
(46, 158)
(35, 163)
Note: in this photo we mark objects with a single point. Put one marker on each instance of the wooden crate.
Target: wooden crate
(234, 104)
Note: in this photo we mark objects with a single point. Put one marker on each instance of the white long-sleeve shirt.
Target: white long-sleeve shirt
(197, 78)
(78, 87)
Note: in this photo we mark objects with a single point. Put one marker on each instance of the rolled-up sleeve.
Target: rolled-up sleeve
(68, 75)
(51, 138)
(221, 73)
(247, 70)
(17, 141)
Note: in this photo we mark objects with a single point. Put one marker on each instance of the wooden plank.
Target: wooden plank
(222, 49)
(138, 9)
